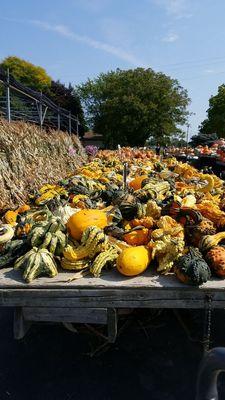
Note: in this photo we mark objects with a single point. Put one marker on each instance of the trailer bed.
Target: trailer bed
(98, 300)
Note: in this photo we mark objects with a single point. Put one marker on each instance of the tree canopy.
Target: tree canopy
(27, 73)
(215, 121)
(129, 106)
(203, 139)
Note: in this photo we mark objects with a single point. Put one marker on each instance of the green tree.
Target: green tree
(203, 139)
(66, 97)
(215, 121)
(29, 74)
(127, 107)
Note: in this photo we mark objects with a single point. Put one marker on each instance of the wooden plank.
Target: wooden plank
(73, 315)
(20, 326)
(112, 324)
(13, 279)
(126, 298)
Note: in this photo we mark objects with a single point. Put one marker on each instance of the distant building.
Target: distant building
(92, 138)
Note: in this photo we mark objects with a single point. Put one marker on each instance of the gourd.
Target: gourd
(22, 209)
(194, 233)
(209, 241)
(93, 241)
(80, 221)
(49, 235)
(133, 260)
(216, 259)
(106, 257)
(191, 268)
(137, 237)
(147, 222)
(127, 204)
(65, 212)
(210, 183)
(12, 250)
(6, 233)
(166, 249)
(10, 217)
(136, 183)
(77, 265)
(152, 191)
(35, 263)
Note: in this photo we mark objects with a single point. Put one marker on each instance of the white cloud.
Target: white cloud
(170, 38)
(108, 48)
(209, 71)
(175, 8)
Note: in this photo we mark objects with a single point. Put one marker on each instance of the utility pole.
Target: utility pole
(70, 130)
(187, 138)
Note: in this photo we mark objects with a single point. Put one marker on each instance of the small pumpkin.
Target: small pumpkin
(81, 220)
(133, 260)
(138, 237)
(136, 183)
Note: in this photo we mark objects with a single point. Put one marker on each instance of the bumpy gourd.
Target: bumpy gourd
(166, 250)
(104, 258)
(137, 237)
(216, 259)
(191, 268)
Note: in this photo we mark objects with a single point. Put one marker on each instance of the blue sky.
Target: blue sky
(77, 39)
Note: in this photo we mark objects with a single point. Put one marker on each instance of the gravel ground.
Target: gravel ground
(154, 358)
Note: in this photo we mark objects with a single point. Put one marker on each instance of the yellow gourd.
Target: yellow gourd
(10, 217)
(133, 260)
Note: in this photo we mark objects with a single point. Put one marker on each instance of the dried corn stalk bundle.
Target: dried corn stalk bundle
(30, 157)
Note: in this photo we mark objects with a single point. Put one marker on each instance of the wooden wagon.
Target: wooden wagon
(99, 300)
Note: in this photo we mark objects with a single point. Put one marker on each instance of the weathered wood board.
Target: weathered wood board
(111, 290)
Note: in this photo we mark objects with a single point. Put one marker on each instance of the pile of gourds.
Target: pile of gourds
(166, 216)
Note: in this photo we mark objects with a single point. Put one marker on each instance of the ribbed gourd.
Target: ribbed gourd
(93, 241)
(35, 263)
(106, 257)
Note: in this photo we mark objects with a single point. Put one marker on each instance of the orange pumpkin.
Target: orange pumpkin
(81, 220)
(136, 182)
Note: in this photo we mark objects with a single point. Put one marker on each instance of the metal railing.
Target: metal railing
(18, 102)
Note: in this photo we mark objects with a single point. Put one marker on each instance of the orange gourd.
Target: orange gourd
(138, 237)
(136, 182)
